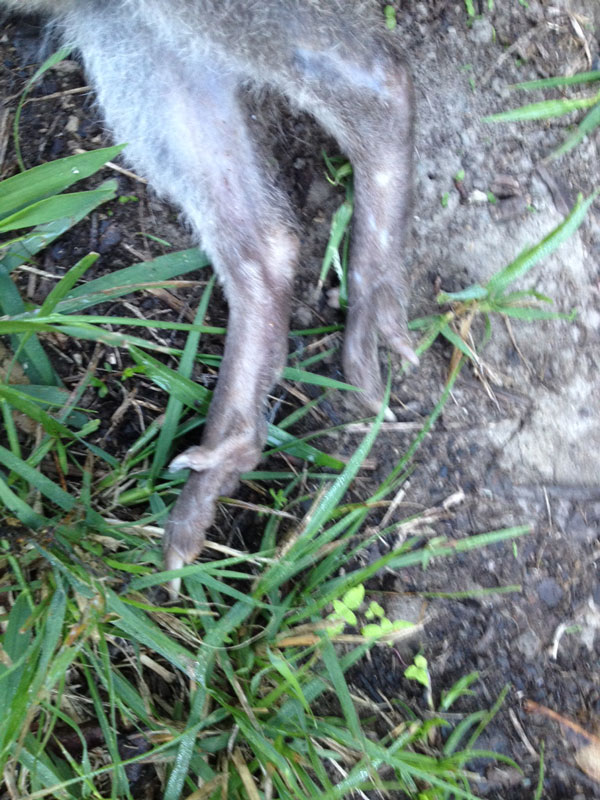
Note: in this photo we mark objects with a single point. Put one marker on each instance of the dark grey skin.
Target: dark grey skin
(169, 76)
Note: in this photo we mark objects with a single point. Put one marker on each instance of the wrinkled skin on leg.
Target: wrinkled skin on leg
(170, 75)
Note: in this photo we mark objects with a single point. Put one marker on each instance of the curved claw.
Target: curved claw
(404, 350)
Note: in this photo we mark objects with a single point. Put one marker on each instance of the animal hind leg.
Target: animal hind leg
(364, 98)
(258, 287)
(247, 235)
(188, 133)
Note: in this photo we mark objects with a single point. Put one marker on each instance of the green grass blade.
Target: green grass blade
(587, 126)
(129, 279)
(280, 439)
(340, 687)
(21, 250)
(53, 208)
(546, 109)
(215, 638)
(46, 776)
(19, 508)
(174, 405)
(474, 292)
(279, 572)
(32, 355)
(138, 627)
(21, 401)
(526, 260)
(561, 80)
(41, 182)
(457, 342)
(38, 480)
(66, 283)
(532, 314)
(302, 376)
(189, 393)
(53, 58)
(289, 676)
(34, 319)
(339, 226)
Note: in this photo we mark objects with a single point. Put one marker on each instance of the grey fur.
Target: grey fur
(168, 74)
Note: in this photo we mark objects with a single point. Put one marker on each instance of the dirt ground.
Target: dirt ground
(520, 446)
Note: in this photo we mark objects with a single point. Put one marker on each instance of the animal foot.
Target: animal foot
(380, 319)
(215, 471)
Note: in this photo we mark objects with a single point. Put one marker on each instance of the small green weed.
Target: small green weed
(344, 613)
(495, 296)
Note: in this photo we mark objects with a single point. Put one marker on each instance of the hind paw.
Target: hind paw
(215, 472)
(373, 322)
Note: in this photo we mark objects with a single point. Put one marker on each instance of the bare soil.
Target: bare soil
(518, 442)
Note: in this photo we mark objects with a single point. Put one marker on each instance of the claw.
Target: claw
(173, 559)
(405, 351)
(389, 415)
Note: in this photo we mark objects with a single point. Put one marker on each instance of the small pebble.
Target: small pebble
(529, 645)
(550, 592)
(482, 31)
